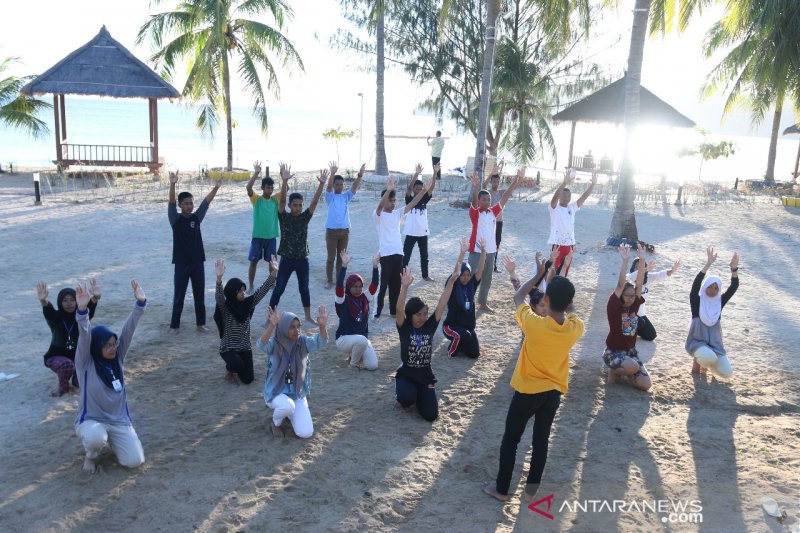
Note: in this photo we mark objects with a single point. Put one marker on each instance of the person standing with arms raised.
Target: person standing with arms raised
(337, 224)
(437, 145)
(265, 222)
(562, 218)
(416, 228)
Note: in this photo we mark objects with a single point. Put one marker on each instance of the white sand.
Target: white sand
(212, 464)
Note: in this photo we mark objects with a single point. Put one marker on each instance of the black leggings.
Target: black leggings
(391, 269)
(410, 392)
(239, 363)
(498, 236)
(645, 329)
(542, 406)
(462, 341)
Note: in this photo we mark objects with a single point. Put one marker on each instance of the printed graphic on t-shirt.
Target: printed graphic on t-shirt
(419, 350)
(629, 324)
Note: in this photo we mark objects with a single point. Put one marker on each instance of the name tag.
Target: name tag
(117, 385)
(466, 305)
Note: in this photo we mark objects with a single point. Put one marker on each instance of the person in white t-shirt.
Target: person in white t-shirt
(387, 223)
(562, 218)
(646, 330)
(416, 229)
(483, 216)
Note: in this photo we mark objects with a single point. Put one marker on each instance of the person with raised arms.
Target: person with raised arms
(562, 218)
(459, 325)
(352, 308)
(646, 330)
(416, 227)
(266, 227)
(337, 223)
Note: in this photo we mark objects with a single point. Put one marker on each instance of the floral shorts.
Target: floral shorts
(614, 359)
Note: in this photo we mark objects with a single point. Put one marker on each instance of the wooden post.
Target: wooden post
(63, 118)
(571, 144)
(796, 163)
(57, 129)
(154, 103)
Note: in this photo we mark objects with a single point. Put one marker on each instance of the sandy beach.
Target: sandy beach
(212, 464)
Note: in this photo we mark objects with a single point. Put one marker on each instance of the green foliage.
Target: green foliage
(709, 151)
(338, 134)
(19, 111)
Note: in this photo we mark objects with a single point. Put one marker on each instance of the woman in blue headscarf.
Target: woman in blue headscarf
(288, 380)
(459, 325)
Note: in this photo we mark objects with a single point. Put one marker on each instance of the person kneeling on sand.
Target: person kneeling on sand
(414, 380)
(620, 355)
(103, 418)
(232, 316)
(459, 325)
(704, 341)
(288, 380)
(352, 308)
(541, 376)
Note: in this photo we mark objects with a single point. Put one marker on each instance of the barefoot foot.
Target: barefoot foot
(231, 377)
(491, 489)
(530, 492)
(277, 432)
(612, 377)
(89, 466)
(485, 308)
(311, 320)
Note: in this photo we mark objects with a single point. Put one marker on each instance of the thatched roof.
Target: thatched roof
(102, 67)
(792, 130)
(608, 105)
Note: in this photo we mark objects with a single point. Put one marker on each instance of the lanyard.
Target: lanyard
(110, 371)
(465, 292)
(359, 306)
(69, 333)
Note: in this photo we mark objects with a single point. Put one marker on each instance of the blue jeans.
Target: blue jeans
(183, 273)
(285, 269)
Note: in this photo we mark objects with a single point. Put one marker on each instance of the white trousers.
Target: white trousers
(359, 349)
(122, 440)
(296, 411)
(718, 364)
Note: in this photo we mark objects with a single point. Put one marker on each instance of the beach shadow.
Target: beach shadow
(714, 454)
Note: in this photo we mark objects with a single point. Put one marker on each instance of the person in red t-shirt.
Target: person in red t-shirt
(620, 355)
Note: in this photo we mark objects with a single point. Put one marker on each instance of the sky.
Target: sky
(674, 66)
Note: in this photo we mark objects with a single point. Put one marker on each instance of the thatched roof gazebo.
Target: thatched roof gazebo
(102, 67)
(608, 105)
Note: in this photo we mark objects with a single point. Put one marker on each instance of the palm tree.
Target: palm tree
(762, 65)
(16, 110)
(209, 35)
(623, 223)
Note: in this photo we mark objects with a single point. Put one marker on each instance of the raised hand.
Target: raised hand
(273, 316)
(322, 316)
(735, 260)
(257, 168)
(219, 268)
(510, 265)
(406, 278)
(41, 291)
(538, 258)
(286, 172)
(82, 296)
(553, 256)
(345, 258)
(362, 169)
(218, 182)
(676, 265)
(624, 251)
(376, 260)
(651, 265)
(418, 169)
(96, 291)
(273, 266)
(641, 251)
(323, 176)
(464, 245)
(138, 291)
(390, 184)
(711, 256)
(173, 177)
(436, 168)
(568, 176)
(334, 167)
(475, 180)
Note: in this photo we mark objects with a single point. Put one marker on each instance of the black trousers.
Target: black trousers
(239, 363)
(183, 273)
(498, 236)
(435, 160)
(391, 269)
(408, 248)
(462, 341)
(645, 329)
(542, 406)
(410, 392)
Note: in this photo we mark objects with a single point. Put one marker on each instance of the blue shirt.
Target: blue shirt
(338, 209)
(312, 343)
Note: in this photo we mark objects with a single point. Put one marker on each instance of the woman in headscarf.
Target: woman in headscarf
(288, 380)
(706, 298)
(103, 418)
(60, 357)
(232, 317)
(352, 308)
(459, 325)
(414, 380)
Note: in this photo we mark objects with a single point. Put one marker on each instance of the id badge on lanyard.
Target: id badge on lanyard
(117, 385)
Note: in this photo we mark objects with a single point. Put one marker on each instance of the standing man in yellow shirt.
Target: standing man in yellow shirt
(540, 378)
(437, 145)
(265, 222)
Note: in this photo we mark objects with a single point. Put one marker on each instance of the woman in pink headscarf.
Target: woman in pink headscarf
(352, 308)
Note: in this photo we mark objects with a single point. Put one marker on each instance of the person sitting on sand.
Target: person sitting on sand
(706, 298)
(620, 355)
(414, 379)
(352, 308)
(645, 329)
(294, 240)
(483, 216)
(459, 325)
(103, 418)
(541, 376)
(288, 380)
(60, 356)
(387, 223)
(232, 316)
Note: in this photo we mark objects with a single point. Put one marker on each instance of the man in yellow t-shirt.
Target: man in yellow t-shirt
(540, 378)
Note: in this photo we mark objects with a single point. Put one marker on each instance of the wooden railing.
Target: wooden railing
(107, 154)
(603, 166)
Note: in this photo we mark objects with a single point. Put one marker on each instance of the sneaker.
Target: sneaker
(203, 329)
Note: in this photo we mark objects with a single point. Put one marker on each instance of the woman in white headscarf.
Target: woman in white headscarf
(288, 380)
(704, 341)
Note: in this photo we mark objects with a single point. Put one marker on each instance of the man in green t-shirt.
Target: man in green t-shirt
(265, 222)
(294, 240)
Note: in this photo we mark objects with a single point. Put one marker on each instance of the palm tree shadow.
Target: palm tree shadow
(712, 417)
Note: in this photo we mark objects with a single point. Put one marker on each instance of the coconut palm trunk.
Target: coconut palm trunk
(226, 84)
(773, 139)
(623, 223)
(381, 165)
(486, 86)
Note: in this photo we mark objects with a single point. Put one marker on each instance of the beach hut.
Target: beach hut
(102, 67)
(608, 105)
